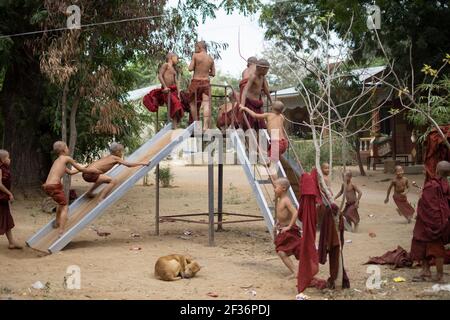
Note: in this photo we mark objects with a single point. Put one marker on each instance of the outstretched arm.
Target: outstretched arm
(266, 90)
(131, 164)
(5, 189)
(339, 194)
(389, 192)
(71, 172)
(80, 168)
(250, 81)
(254, 114)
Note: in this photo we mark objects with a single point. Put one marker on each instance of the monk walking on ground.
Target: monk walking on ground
(199, 90)
(251, 94)
(432, 229)
(401, 188)
(352, 196)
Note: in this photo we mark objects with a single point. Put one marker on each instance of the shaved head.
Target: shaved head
(59, 147)
(263, 63)
(278, 106)
(283, 182)
(170, 55)
(115, 148)
(202, 44)
(443, 168)
(251, 60)
(3, 154)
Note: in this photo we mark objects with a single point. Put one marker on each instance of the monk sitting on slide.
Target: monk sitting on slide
(349, 189)
(251, 94)
(401, 188)
(102, 166)
(287, 234)
(199, 90)
(432, 229)
(53, 186)
(275, 125)
(168, 93)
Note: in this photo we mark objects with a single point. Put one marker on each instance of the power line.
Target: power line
(82, 26)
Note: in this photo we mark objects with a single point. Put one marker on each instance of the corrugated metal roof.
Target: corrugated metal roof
(366, 73)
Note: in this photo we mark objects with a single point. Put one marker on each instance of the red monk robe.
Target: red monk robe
(6, 219)
(404, 207)
(156, 98)
(331, 243)
(436, 150)
(432, 230)
(254, 105)
(307, 213)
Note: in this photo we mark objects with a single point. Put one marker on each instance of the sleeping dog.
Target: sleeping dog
(175, 267)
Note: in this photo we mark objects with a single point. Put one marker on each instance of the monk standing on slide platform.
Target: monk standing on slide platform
(432, 229)
(251, 94)
(199, 90)
(251, 67)
(168, 94)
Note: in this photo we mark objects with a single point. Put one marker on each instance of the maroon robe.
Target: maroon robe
(156, 98)
(431, 230)
(6, 219)
(404, 207)
(307, 213)
(331, 243)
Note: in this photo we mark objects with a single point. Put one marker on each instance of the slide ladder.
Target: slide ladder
(261, 187)
(84, 210)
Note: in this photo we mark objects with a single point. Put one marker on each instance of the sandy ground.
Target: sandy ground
(242, 265)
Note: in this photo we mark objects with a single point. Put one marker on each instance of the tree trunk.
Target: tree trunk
(27, 135)
(357, 146)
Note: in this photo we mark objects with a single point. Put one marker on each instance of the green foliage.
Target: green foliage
(307, 154)
(423, 24)
(166, 176)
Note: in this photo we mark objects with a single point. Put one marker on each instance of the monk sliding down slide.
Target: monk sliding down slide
(251, 94)
(168, 93)
(432, 229)
(203, 66)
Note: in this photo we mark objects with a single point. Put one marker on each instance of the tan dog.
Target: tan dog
(176, 267)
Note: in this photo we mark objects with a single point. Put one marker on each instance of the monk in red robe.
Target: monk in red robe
(251, 67)
(6, 219)
(352, 195)
(401, 187)
(251, 94)
(203, 66)
(307, 214)
(432, 228)
(168, 94)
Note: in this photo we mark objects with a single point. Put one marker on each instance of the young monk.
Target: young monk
(287, 234)
(325, 167)
(6, 219)
(352, 196)
(53, 186)
(432, 228)
(401, 188)
(251, 94)
(102, 166)
(251, 67)
(275, 126)
(227, 112)
(168, 76)
(199, 90)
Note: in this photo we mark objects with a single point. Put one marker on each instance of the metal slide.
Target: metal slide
(84, 210)
(257, 184)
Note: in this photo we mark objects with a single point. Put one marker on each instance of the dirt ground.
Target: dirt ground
(242, 265)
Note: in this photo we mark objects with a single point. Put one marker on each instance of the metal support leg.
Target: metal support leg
(157, 188)
(220, 196)
(211, 200)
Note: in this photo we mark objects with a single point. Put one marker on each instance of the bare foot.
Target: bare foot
(90, 195)
(14, 246)
(55, 224)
